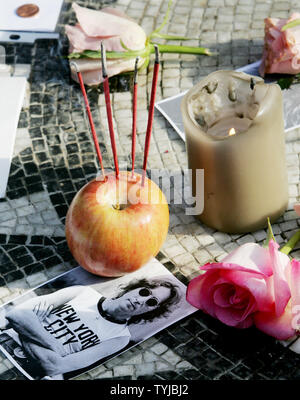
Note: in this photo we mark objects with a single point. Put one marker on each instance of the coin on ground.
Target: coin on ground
(27, 10)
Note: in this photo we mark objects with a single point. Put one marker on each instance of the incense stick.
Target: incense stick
(108, 109)
(151, 112)
(134, 107)
(88, 110)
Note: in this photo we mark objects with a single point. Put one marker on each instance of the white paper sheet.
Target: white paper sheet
(12, 92)
(44, 21)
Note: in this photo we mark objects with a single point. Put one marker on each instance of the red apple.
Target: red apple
(114, 226)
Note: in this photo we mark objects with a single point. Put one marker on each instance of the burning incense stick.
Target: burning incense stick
(108, 109)
(134, 106)
(151, 113)
(88, 110)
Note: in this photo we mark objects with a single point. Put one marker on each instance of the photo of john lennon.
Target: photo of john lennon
(78, 320)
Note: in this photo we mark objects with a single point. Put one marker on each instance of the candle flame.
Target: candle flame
(231, 132)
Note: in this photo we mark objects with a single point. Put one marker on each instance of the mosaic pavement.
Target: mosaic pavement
(54, 158)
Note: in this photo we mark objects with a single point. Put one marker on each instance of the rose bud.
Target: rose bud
(281, 54)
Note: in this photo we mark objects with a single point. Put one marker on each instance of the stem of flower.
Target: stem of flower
(166, 17)
(144, 53)
(169, 48)
(288, 247)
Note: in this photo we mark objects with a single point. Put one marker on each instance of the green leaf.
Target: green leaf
(285, 83)
(288, 247)
(291, 24)
(270, 235)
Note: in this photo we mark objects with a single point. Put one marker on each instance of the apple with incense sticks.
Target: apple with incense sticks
(116, 223)
(115, 226)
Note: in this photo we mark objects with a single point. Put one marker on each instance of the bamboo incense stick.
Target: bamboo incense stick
(88, 110)
(151, 113)
(108, 109)
(134, 107)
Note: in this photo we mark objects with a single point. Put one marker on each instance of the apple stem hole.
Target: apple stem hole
(119, 207)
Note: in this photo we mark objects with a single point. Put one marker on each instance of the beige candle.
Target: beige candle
(245, 177)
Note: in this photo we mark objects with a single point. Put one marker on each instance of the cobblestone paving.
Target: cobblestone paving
(54, 158)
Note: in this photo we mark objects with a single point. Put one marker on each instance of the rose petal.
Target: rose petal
(200, 291)
(278, 327)
(231, 314)
(246, 323)
(236, 317)
(295, 286)
(249, 257)
(97, 23)
(79, 40)
(251, 308)
(240, 298)
(259, 287)
(222, 295)
(281, 54)
(282, 292)
(297, 208)
(92, 69)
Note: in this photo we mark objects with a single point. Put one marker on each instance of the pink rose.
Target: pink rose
(297, 208)
(123, 39)
(281, 52)
(115, 29)
(250, 286)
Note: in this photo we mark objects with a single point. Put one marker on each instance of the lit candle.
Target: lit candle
(234, 131)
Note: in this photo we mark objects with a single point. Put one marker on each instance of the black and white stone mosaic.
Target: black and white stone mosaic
(54, 157)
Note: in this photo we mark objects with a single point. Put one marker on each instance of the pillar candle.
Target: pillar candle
(245, 176)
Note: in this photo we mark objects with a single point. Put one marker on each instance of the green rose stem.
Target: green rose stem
(149, 49)
(169, 48)
(149, 46)
(288, 247)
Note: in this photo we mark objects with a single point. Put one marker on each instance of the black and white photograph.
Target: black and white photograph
(78, 320)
